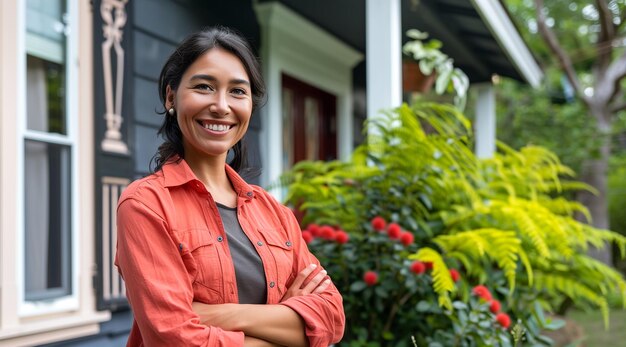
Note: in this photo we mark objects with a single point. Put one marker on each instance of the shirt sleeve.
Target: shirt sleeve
(158, 286)
(322, 313)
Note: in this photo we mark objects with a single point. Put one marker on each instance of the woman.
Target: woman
(207, 259)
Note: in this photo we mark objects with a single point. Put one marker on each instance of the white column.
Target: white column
(485, 125)
(383, 55)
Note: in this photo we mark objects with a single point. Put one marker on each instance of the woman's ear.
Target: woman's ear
(170, 96)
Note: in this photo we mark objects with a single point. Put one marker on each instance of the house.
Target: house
(77, 121)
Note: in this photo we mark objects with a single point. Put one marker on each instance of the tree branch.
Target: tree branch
(564, 60)
(607, 27)
(610, 84)
(618, 107)
(621, 22)
(604, 46)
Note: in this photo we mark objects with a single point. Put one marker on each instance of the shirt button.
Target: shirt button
(260, 243)
(249, 194)
(272, 284)
(288, 243)
(220, 239)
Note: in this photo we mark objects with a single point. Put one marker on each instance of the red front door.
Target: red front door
(309, 122)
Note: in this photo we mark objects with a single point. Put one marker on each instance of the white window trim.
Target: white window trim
(69, 302)
(291, 44)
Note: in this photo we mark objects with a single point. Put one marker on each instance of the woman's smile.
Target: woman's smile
(216, 128)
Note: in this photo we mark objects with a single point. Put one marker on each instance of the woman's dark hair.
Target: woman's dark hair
(186, 54)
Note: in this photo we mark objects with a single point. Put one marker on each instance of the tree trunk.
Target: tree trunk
(595, 173)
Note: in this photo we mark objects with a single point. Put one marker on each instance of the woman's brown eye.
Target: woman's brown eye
(203, 87)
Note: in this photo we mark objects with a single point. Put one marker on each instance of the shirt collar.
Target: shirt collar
(176, 172)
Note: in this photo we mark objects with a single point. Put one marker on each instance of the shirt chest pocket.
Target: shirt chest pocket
(203, 257)
(281, 251)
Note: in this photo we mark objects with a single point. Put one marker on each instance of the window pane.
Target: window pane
(45, 29)
(47, 220)
(45, 96)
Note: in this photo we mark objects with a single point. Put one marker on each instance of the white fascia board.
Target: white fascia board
(292, 24)
(498, 21)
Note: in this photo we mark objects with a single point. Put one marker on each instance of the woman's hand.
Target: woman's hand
(303, 285)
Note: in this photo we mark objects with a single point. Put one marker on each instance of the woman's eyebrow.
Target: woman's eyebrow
(213, 79)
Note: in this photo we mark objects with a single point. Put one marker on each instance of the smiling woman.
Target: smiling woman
(208, 259)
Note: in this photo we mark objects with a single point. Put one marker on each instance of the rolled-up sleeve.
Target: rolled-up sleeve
(158, 285)
(322, 313)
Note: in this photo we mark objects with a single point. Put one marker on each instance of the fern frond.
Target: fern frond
(503, 247)
(525, 223)
(564, 207)
(598, 238)
(442, 281)
(573, 288)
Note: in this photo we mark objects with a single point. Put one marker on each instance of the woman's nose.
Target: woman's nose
(219, 104)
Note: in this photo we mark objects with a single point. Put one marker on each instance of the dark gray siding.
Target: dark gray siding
(158, 26)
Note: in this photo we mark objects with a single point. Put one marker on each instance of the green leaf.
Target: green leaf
(423, 306)
(358, 286)
(388, 335)
(554, 324)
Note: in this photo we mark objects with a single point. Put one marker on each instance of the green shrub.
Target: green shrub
(503, 223)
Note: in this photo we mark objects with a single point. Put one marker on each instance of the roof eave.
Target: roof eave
(505, 32)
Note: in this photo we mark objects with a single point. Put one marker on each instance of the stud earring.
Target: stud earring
(171, 111)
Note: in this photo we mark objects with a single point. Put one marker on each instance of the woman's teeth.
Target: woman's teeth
(216, 127)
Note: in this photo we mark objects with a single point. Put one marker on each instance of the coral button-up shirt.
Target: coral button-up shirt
(172, 250)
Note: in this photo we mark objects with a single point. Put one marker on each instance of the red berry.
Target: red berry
(370, 278)
(429, 265)
(327, 232)
(503, 319)
(494, 307)
(393, 231)
(482, 292)
(456, 276)
(314, 229)
(307, 236)
(418, 267)
(378, 223)
(342, 237)
(407, 238)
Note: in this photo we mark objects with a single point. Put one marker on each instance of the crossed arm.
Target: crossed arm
(267, 325)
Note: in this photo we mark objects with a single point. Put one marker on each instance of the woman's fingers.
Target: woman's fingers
(311, 285)
(322, 287)
(306, 283)
(302, 276)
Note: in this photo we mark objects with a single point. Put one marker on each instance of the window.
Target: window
(49, 146)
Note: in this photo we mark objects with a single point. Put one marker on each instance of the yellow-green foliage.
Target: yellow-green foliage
(499, 246)
(418, 169)
(520, 197)
(442, 282)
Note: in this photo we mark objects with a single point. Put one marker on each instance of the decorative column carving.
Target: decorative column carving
(113, 14)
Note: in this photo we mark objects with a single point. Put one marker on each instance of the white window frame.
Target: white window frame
(69, 302)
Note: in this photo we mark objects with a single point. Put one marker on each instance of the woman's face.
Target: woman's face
(213, 104)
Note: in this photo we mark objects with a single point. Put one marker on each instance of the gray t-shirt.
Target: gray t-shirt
(249, 272)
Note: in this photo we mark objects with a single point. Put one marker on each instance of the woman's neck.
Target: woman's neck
(212, 172)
